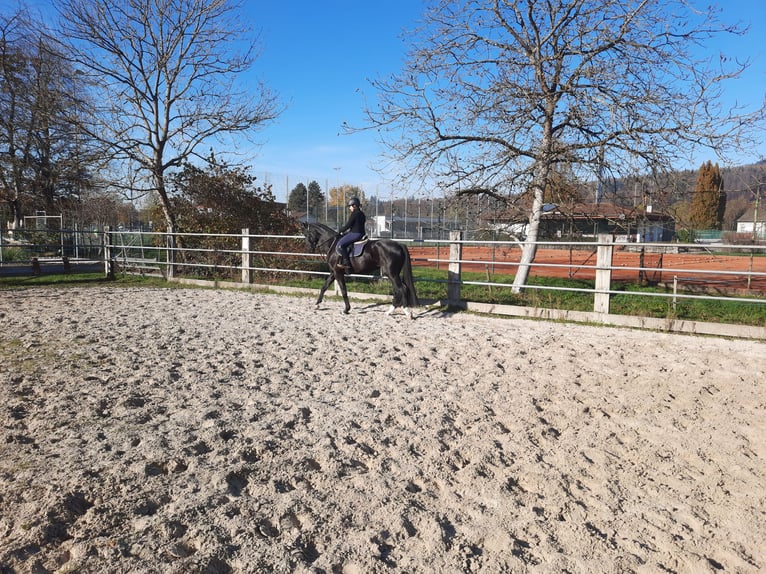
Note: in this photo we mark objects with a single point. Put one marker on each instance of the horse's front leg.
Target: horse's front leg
(342, 284)
(327, 283)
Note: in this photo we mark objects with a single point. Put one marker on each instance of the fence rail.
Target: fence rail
(733, 273)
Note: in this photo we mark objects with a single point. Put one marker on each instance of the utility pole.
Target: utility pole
(756, 235)
(337, 191)
(755, 213)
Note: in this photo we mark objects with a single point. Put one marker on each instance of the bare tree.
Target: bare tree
(167, 71)
(496, 94)
(16, 123)
(44, 157)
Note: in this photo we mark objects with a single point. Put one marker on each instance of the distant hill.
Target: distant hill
(744, 180)
(739, 182)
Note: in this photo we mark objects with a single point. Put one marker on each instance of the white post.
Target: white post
(247, 275)
(108, 256)
(675, 291)
(603, 273)
(170, 269)
(455, 267)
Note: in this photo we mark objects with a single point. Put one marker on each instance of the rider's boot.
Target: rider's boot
(345, 263)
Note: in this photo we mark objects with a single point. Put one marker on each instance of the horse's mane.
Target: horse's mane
(318, 234)
(323, 227)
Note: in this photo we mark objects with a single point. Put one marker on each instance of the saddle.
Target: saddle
(357, 248)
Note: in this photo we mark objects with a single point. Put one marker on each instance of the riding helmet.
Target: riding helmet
(353, 201)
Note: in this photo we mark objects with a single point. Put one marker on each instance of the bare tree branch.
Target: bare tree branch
(168, 74)
(496, 93)
(43, 152)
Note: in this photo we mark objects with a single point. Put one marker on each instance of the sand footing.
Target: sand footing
(182, 430)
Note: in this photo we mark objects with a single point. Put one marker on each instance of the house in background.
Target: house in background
(588, 220)
(752, 222)
(408, 227)
(627, 224)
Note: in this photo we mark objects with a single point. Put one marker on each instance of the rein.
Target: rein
(319, 244)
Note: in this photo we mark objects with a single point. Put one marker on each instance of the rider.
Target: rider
(355, 228)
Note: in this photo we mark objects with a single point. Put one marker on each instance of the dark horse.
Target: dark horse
(392, 258)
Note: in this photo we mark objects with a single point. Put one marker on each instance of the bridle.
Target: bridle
(321, 243)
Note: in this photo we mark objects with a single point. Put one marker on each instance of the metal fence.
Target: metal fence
(35, 250)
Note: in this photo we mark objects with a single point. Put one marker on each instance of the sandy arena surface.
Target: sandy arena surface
(179, 430)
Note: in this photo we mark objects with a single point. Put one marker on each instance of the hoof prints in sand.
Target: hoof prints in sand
(213, 431)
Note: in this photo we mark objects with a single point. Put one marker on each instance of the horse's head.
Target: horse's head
(318, 237)
(312, 237)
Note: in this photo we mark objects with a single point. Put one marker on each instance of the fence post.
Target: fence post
(455, 266)
(170, 256)
(108, 253)
(604, 253)
(247, 274)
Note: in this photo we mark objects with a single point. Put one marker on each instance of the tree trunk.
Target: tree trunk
(539, 180)
(167, 209)
(16, 211)
(158, 177)
(529, 247)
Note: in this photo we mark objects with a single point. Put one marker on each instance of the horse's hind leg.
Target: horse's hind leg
(396, 300)
(400, 296)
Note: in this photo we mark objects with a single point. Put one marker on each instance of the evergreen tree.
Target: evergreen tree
(296, 201)
(297, 198)
(709, 200)
(47, 159)
(316, 197)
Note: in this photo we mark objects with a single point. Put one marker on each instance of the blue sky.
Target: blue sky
(318, 56)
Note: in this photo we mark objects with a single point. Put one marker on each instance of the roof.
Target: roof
(749, 215)
(585, 211)
(592, 211)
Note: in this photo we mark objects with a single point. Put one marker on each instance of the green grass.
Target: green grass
(432, 286)
(81, 279)
(714, 311)
(15, 254)
(52, 280)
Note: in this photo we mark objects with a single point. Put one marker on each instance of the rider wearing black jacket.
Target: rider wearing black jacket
(355, 228)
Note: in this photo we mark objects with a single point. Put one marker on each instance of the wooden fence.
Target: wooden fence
(741, 268)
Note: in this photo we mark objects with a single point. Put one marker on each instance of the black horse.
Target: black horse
(392, 258)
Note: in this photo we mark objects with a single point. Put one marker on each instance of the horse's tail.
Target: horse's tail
(411, 295)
